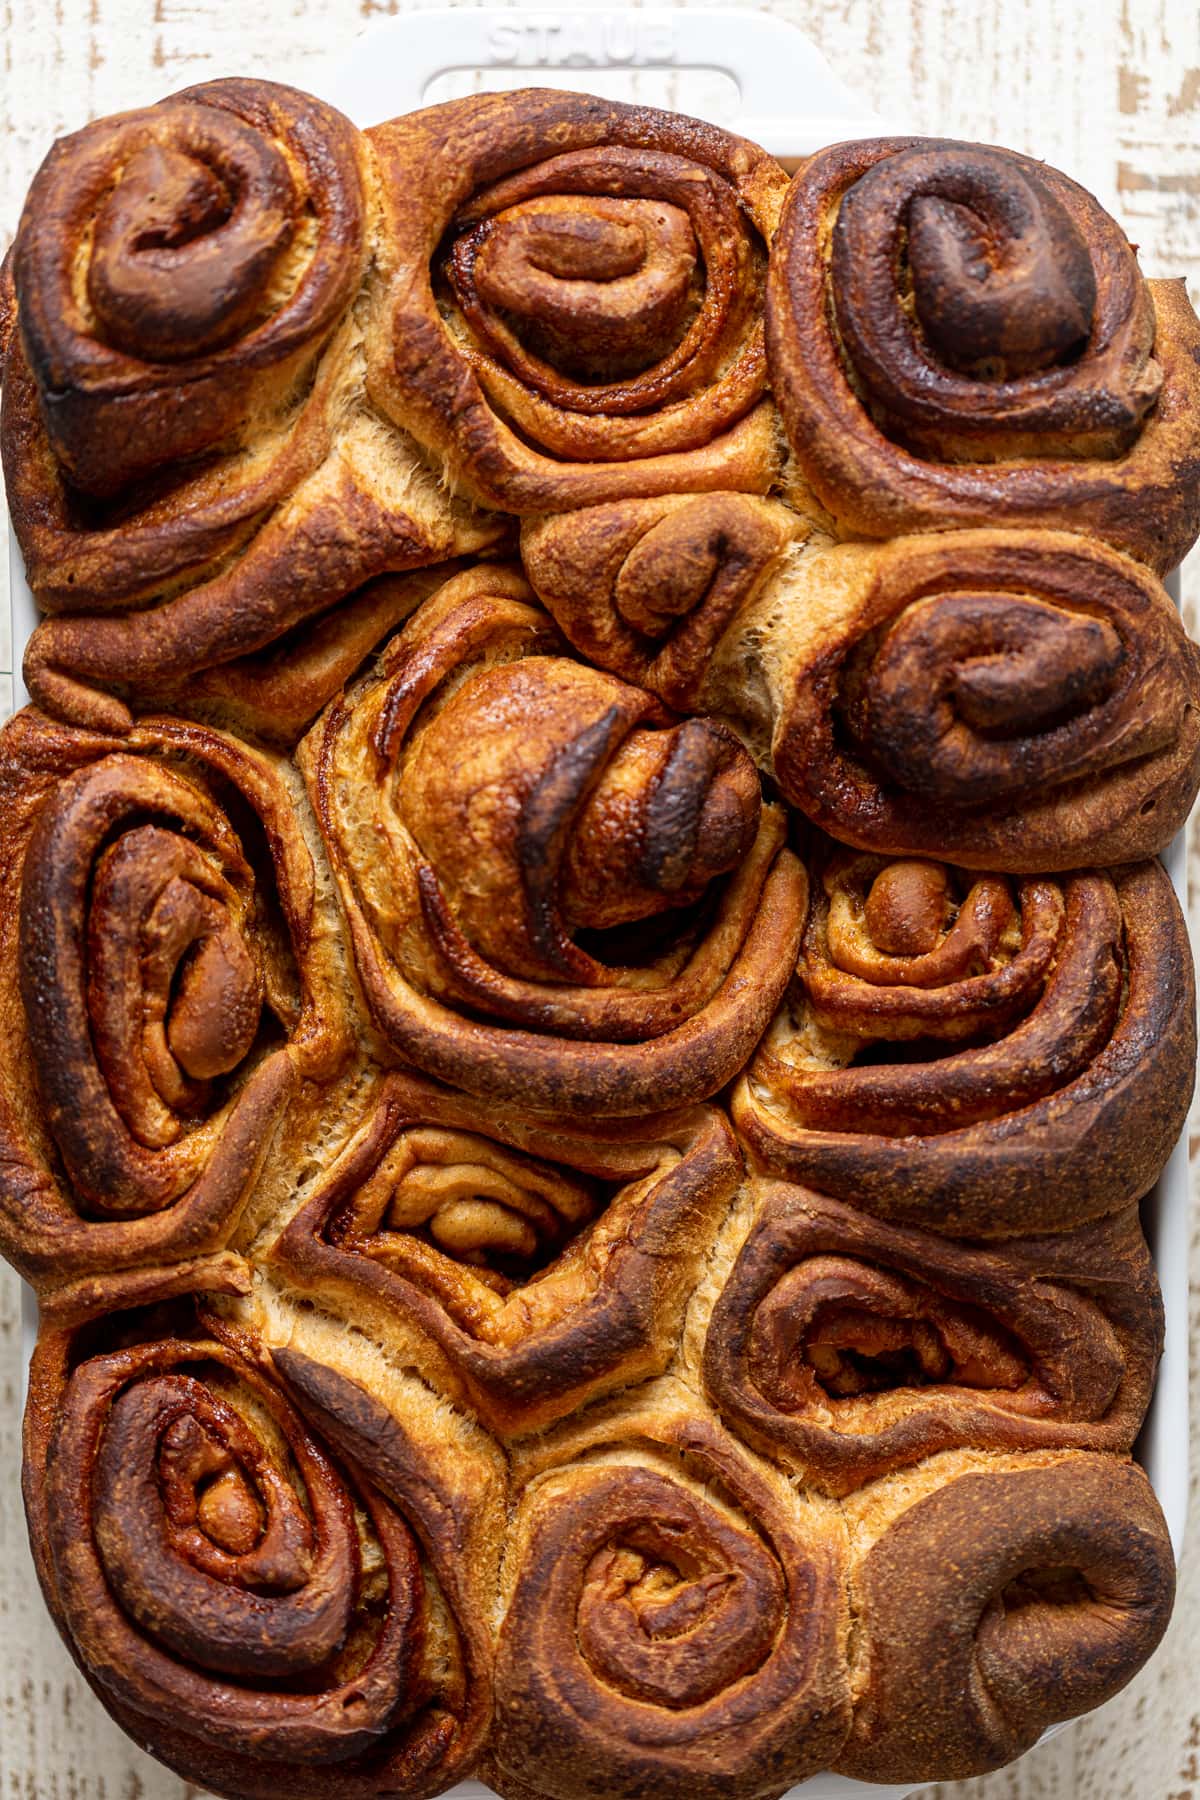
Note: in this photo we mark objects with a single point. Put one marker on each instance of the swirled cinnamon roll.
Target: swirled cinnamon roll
(673, 1620)
(169, 984)
(847, 1348)
(958, 333)
(991, 1601)
(576, 303)
(525, 1267)
(978, 1054)
(1013, 700)
(247, 1604)
(648, 588)
(556, 894)
(192, 465)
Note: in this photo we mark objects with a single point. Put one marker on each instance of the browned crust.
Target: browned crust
(865, 679)
(569, 1062)
(458, 1538)
(590, 1079)
(606, 1313)
(935, 1566)
(183, 513)
(1087, 1148)
(45, 1229)
(647, 588)
(398, 1723)
(1110, 781)
(275, 694)
(593, 1701)
(285, 149)
(8, 303)
(437, 167)
(952, 1681)
(1050, 1342)
(313, 536)
(1145, 501)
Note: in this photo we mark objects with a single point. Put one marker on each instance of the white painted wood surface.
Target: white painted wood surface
(1108, 90)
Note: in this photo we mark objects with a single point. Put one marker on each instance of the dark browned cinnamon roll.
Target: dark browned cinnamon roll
(848, 1348)
(673, 1620)
(556, 895)
(193, 469)
(524, 1266)
(992, 1600)
(252, 1609)
(1019, 700)
(976, 1054)
(575, 302)
(228, 219)
(958, 333)
(168, 980)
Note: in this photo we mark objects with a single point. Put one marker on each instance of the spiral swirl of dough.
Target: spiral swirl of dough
(1018, 1594)
(671, 1626)
(590, 325)
(958, 332)
(167, 984)
(555, 893)
(969, 1053)
(245, 1602)
(848, 1348)
(523, 1264)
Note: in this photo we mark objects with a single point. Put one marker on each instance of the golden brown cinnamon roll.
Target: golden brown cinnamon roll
(674, 1619)
(977, 1054)
(193, 468)
(847, 1348)
(250, 1607)
(168, 981)
(556, 895)
(958, 333)
(525, 1267)
(648, 588)
(575, 309)
(991, 1601)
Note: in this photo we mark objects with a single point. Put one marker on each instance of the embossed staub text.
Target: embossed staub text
(592, 40)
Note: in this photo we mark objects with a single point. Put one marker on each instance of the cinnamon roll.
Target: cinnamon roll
(959, 333)
(993, 1600)
(523, 1266)
(1016, 700)
(673, 1620)
(193, 469)
(555, 894)
(649, 588)
(575, 300)
(249, 1605)
(976, 1054)
(847, 1348)
(169, 983)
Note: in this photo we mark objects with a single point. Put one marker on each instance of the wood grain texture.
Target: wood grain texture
(1107, 89)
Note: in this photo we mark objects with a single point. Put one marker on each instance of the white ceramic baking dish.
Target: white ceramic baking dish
(757, 75)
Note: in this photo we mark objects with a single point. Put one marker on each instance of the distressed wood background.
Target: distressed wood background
(1107, 89)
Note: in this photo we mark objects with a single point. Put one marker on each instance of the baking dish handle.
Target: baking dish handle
(768, 80)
